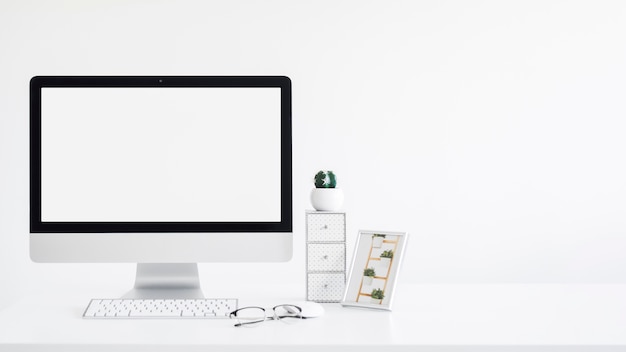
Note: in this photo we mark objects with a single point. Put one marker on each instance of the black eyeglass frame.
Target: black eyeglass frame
(233, 314)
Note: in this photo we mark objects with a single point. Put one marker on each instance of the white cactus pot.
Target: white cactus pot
(367, 280)
(327, 199)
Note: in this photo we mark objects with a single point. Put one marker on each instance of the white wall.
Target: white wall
(492, 131)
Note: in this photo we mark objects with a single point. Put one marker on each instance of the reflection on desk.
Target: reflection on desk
(511, 317)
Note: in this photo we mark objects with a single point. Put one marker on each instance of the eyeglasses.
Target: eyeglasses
(254, 316)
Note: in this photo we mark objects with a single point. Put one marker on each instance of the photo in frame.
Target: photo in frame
(374, 269)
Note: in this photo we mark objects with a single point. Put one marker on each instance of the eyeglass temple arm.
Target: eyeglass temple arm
(250, 322)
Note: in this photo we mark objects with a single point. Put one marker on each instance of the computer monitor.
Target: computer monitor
(164, 171)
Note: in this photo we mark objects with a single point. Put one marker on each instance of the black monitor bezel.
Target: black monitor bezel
(39, 82)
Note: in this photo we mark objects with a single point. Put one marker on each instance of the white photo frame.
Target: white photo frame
(374, 269)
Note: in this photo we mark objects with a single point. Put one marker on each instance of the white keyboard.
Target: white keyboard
(205, 308)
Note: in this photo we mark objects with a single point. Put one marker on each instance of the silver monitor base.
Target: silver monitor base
(166, 281)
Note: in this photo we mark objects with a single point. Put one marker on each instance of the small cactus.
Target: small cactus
(325, 179)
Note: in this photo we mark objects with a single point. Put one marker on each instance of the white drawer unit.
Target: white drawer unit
(326, 256)
(324, 226)
(325, 287)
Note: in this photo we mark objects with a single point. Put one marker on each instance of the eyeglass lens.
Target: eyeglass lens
(249, 316)
(288, 313)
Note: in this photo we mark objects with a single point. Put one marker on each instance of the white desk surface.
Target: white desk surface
(507, 317)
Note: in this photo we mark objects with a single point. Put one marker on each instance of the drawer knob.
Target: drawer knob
(325, 257)
(325, 227)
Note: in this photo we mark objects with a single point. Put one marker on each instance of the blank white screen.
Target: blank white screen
(160, 154)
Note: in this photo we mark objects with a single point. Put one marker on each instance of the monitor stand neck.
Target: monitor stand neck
(174, 280)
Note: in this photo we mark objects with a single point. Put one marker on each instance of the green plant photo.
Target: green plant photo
(387, 254)
(377, 259)
(378, 293)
